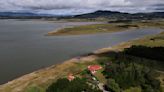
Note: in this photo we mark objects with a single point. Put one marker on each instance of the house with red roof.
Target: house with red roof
(94, 68)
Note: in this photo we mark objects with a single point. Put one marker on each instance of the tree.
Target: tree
(113, 86)
(131, 74)
(77, 85)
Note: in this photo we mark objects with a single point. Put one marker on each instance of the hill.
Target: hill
(93, 15)
(19, 15)
(100, 13)
(120, 15)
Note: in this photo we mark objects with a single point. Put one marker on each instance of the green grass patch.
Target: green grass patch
(106, 28)
(89, 29)
(34, 88)
(100, 77)
(133, 89)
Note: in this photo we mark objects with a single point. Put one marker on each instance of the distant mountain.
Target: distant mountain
(23, 15)
(93, 15)
(16, 14)
(99, 13)
(120, 15)
(152, 14)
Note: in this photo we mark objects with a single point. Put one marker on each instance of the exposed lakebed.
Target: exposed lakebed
(25, 48)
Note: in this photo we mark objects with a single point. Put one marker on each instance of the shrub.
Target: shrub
(113, 86)
(77, 85)
(131, 75)
(155, 53)
(133, 89)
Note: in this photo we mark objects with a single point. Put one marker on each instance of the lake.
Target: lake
(25, 48)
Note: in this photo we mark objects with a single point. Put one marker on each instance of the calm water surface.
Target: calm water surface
(24, 48)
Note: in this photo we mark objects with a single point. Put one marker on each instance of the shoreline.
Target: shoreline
(51, 73)
(45, 76)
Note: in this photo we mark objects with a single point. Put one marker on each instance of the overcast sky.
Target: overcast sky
(80, 6)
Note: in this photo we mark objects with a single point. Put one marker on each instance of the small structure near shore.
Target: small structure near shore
(70, 77)
(94, 68)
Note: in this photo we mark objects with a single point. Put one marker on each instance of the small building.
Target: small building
(70, 77)
(94, 68)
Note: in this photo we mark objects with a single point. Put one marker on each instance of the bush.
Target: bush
(34, 89)
(134, 68)
(133, 89)
(113, 86)
(103, 60)
(77, 85)
(155, 53)
(131, 75)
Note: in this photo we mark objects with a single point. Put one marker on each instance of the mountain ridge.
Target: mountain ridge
(96, 14)
(110, 14)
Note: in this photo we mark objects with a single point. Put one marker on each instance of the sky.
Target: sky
(72, 7)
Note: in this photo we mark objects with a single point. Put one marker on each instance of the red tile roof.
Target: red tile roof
(94, 67)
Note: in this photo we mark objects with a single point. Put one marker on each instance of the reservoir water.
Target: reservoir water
(25, 48)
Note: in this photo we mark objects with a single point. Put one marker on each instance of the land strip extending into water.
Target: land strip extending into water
(106, 27)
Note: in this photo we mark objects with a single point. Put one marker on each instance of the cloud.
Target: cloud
(158, 7)
(63, 4)
(77, 6)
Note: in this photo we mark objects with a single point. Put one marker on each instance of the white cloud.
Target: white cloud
(76, 6)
